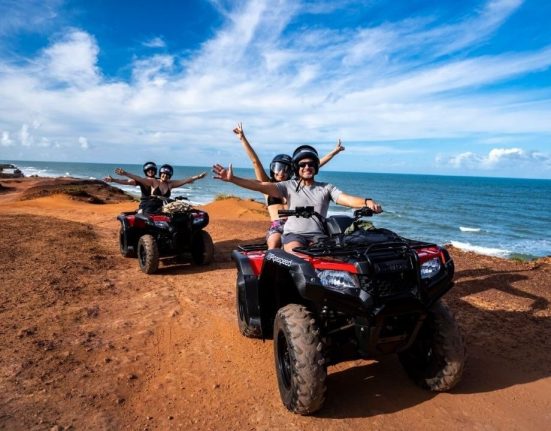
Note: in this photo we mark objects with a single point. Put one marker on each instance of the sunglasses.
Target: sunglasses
(307, 164)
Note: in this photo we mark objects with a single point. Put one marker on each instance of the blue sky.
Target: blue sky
(438, 87)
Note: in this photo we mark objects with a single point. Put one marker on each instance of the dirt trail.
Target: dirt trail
(89, 342)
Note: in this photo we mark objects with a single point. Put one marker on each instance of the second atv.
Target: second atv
(360, 293)
(175, 234)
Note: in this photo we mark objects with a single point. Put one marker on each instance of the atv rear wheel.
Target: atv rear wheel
(243, 317)
(202, 248)
(436, 359)
(299, 361)
(148, 254)
(125, 249)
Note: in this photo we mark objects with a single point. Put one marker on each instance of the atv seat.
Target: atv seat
(337, 224)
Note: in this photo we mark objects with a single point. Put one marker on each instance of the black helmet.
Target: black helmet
(281, 162)
(166, 169)
(305, 152)
(149, 165)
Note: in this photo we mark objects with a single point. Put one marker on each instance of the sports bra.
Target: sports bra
(157, 192)
(274, 201)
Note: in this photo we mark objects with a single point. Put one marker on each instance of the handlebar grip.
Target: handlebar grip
(363, 212)
(286, 213)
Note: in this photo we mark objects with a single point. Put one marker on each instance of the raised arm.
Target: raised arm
(179, 183)
(359, 202)
(268, 188)
(138, 179)
(259, 171)
(338, 148)
(128, 182)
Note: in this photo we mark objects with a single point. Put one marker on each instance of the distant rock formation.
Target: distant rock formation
(8, 170)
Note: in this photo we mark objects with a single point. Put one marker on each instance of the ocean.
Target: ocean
(502, 217)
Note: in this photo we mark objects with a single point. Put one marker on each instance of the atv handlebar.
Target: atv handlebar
(363, 212)
(308, 212)
(168, 200)
(305, 212)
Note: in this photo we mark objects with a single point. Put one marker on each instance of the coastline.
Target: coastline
(476, 214)
(47, 185)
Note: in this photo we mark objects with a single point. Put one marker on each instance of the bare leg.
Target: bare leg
(290, 245)
(274, 240)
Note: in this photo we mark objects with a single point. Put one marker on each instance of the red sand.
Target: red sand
(89, 342)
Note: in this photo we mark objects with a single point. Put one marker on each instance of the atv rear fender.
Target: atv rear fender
(247, 287)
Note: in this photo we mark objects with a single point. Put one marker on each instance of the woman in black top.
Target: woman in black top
(159, 187)
(150, 171)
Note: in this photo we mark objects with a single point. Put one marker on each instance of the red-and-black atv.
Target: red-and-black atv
(361, 294)
(176, 235)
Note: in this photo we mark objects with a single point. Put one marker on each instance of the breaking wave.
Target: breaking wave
(469, 229)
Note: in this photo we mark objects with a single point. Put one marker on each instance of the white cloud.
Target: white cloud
(44, 143)
(475, 28)
(500, 158)
(25, 137)
(154, 71)
(6, 141)
(156, 42)
(28, 15)
(83, 143)
(72, 59)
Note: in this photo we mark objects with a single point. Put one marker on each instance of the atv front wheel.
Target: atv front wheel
(202, 248)
(436, 359)
(299, 361)
(148, 254)
(125, 249)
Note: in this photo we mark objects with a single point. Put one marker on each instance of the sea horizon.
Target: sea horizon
(326, 169)
(496, 216)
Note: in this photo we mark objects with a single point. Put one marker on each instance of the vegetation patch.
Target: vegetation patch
(224, 196)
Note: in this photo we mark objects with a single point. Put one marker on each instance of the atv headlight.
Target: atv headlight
(162, 224)
(338, 279)
(430, 268)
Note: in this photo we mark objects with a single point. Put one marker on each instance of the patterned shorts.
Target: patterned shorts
(275, 227)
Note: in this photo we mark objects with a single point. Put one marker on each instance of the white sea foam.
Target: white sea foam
(469, 229)
(487, 251)
(31, 170)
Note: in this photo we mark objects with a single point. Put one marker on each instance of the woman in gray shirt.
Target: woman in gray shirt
(303, 191)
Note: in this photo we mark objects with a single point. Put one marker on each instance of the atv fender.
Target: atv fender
(279, 264)
(129, 237)
(247, 290)
(285, 279)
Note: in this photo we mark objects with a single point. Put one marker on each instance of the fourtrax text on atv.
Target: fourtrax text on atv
(176, 235)
(360, 294)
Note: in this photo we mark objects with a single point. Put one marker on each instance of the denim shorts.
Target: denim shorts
(304, 239)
